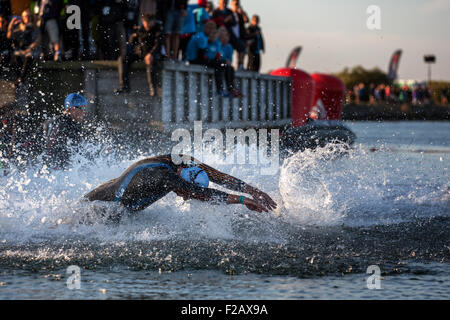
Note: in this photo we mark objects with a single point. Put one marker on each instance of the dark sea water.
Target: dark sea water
(384, 204)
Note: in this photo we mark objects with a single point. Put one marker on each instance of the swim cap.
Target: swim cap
(74, 100)
(195, 175)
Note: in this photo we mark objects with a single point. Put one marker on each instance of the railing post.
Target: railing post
(167, 103)
(179, 97)
(204, 96)
(245, 105)
(192, 96)
(214, 102)
(254, 98)
(226, 110)
(262, 100)
(285, 100)
(278, 100)
(270, 102)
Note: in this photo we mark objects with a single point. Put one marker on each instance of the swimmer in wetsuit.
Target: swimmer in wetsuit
(148, 180)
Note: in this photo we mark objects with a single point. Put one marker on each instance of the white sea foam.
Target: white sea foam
(326, 186)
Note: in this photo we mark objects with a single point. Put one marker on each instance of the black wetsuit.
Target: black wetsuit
(62, 137)
(150, 179)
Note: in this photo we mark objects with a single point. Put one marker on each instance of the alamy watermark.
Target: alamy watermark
(374, 281)
(74, 18)
(74, 279)
(374, 20)
(249, 146)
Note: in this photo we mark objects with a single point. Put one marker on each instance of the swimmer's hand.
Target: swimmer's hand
(249, 203)
(262, 197)
(254, 206)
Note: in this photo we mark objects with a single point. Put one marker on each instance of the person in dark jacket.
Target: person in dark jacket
(49, 15)
(26, 39)
(173, 13)
(63, 134)
(111, 29)
(148, 180)
(223, 16)
(255, 45)
(5, 45)
(146, 45)
(239, 32)
(5, 8)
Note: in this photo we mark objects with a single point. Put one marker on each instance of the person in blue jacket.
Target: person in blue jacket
(205, 49)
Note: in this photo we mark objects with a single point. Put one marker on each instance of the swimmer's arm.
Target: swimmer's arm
(236, 184)
(233, 183)
(191, 191)
(216, 197)
(221, 178)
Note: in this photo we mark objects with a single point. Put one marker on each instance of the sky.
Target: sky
(334, 34)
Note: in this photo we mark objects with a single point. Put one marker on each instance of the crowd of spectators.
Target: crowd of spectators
(373, 94)
(131, 30)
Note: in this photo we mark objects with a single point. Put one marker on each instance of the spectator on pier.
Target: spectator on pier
(189, 29)
(363, 93)
(145, 44)
(426, 94)
(201, 15)
(405, 95)
(49, 15)
(223, 16)
(195, 52)
(226, 49)
(382, 92)
(226, 52)
(204, 49)
(387, 92)
(222, 70)
(239, 33)
(444, 95)
(372, 93)
(210, 7)
(132, 17)
(5, 45)
(5, 9)
(86, 7)
(255, 44)
(174, 12)
(148, 7)
(111, 30)
(417, 95)
(194, 22)
(26, 39)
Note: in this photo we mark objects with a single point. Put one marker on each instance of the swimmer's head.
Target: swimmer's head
(75, 100)
(76, 106)
(195, 175)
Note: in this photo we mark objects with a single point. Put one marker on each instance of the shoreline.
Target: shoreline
(395, 112)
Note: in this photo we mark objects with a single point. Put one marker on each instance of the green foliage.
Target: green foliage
(358, 74)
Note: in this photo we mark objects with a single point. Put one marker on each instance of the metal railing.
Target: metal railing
(189, 94)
